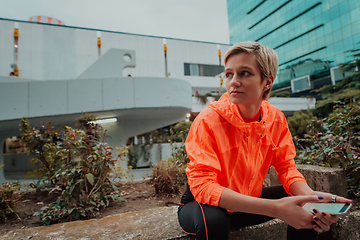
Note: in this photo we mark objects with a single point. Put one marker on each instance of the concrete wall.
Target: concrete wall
(54, 53)
(139, 104)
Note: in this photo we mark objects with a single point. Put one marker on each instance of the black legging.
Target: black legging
(218, 221)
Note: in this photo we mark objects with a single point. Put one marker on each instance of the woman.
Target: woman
(231, 145)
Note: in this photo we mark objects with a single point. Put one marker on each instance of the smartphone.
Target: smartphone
(332, 208)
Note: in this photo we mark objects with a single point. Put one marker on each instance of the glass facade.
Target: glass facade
(310, 36)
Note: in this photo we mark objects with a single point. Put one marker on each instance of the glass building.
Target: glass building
(310, 36)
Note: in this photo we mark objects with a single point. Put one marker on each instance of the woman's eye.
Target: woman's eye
(245, 73)
(228, 75)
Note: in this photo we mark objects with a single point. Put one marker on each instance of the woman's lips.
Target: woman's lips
(235, 92)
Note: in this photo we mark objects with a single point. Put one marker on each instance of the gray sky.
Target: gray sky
(203, 20)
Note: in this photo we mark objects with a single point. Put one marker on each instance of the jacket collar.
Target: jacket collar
(230, 112)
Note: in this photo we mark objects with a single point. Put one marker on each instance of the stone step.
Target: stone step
(161, 224)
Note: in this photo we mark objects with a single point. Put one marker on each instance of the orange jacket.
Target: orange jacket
(226, 152)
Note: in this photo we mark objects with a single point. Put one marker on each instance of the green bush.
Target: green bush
(8, 198)
(300, 122)
(281, 94)
(336, 145)
(76, 165)
(170, 174)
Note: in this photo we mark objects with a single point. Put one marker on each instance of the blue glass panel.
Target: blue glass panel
(306, 48)
(327, 28)
(343, 7)
(335, 24)
(339, 48)
(337, 35)
(320, 42)
(355, 15)
(314, 56)
(348, 44)
(353, 4)
(334, 12)
(313, 45)
(312, 36)
(319, 32)
(339, 58)
(317, 11)
(329, 39)
(318, 20)
(356, 40)
(345, 19)
(346, 31)
(330, 51)
(322, 53)
(326, 16)
(355, 27)
(333, 2)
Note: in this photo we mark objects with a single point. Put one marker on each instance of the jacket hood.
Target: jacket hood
(230, 112)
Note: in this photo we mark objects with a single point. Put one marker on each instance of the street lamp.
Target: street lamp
(165, 53)
(98, 34)
(219, 53)
(16, 47)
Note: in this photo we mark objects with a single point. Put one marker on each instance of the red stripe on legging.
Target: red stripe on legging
(188, 232)
(204, 221)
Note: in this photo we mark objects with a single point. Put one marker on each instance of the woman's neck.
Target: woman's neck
(250, 113)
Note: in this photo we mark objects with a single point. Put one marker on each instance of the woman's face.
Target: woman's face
(243, 80)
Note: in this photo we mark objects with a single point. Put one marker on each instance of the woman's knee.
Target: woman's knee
(217, 222)
(207, 222)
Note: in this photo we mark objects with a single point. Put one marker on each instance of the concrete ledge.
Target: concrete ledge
(323, 179)
(347, 227)
(157, 223)
(161, 223)
(271, 230)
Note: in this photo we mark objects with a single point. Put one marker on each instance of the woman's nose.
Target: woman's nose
(235, 81)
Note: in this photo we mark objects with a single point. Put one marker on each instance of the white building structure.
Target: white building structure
(64, 71)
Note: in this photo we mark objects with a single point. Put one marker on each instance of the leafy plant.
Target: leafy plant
(8, 198)
(76, 165)
(202, 98)
(169, 175)
(337, 145)
(299, 123)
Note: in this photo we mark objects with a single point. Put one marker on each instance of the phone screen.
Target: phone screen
(328, 207)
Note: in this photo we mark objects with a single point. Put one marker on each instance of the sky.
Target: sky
(201, 20)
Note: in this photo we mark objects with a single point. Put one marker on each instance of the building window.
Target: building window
(203, 70)
(194, 70)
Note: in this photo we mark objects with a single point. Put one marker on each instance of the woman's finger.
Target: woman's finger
(329, 217)
(321, 224)
(340, 199)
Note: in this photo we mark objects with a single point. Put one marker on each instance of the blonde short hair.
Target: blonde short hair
(266, 58)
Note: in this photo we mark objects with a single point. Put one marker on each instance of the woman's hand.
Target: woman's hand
(327, 197)
(290, 210)
(323, 220)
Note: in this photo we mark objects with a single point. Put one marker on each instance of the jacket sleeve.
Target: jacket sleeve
(204, 166)
(284, 160)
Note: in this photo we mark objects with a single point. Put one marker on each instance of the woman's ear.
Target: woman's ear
(269, 82)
